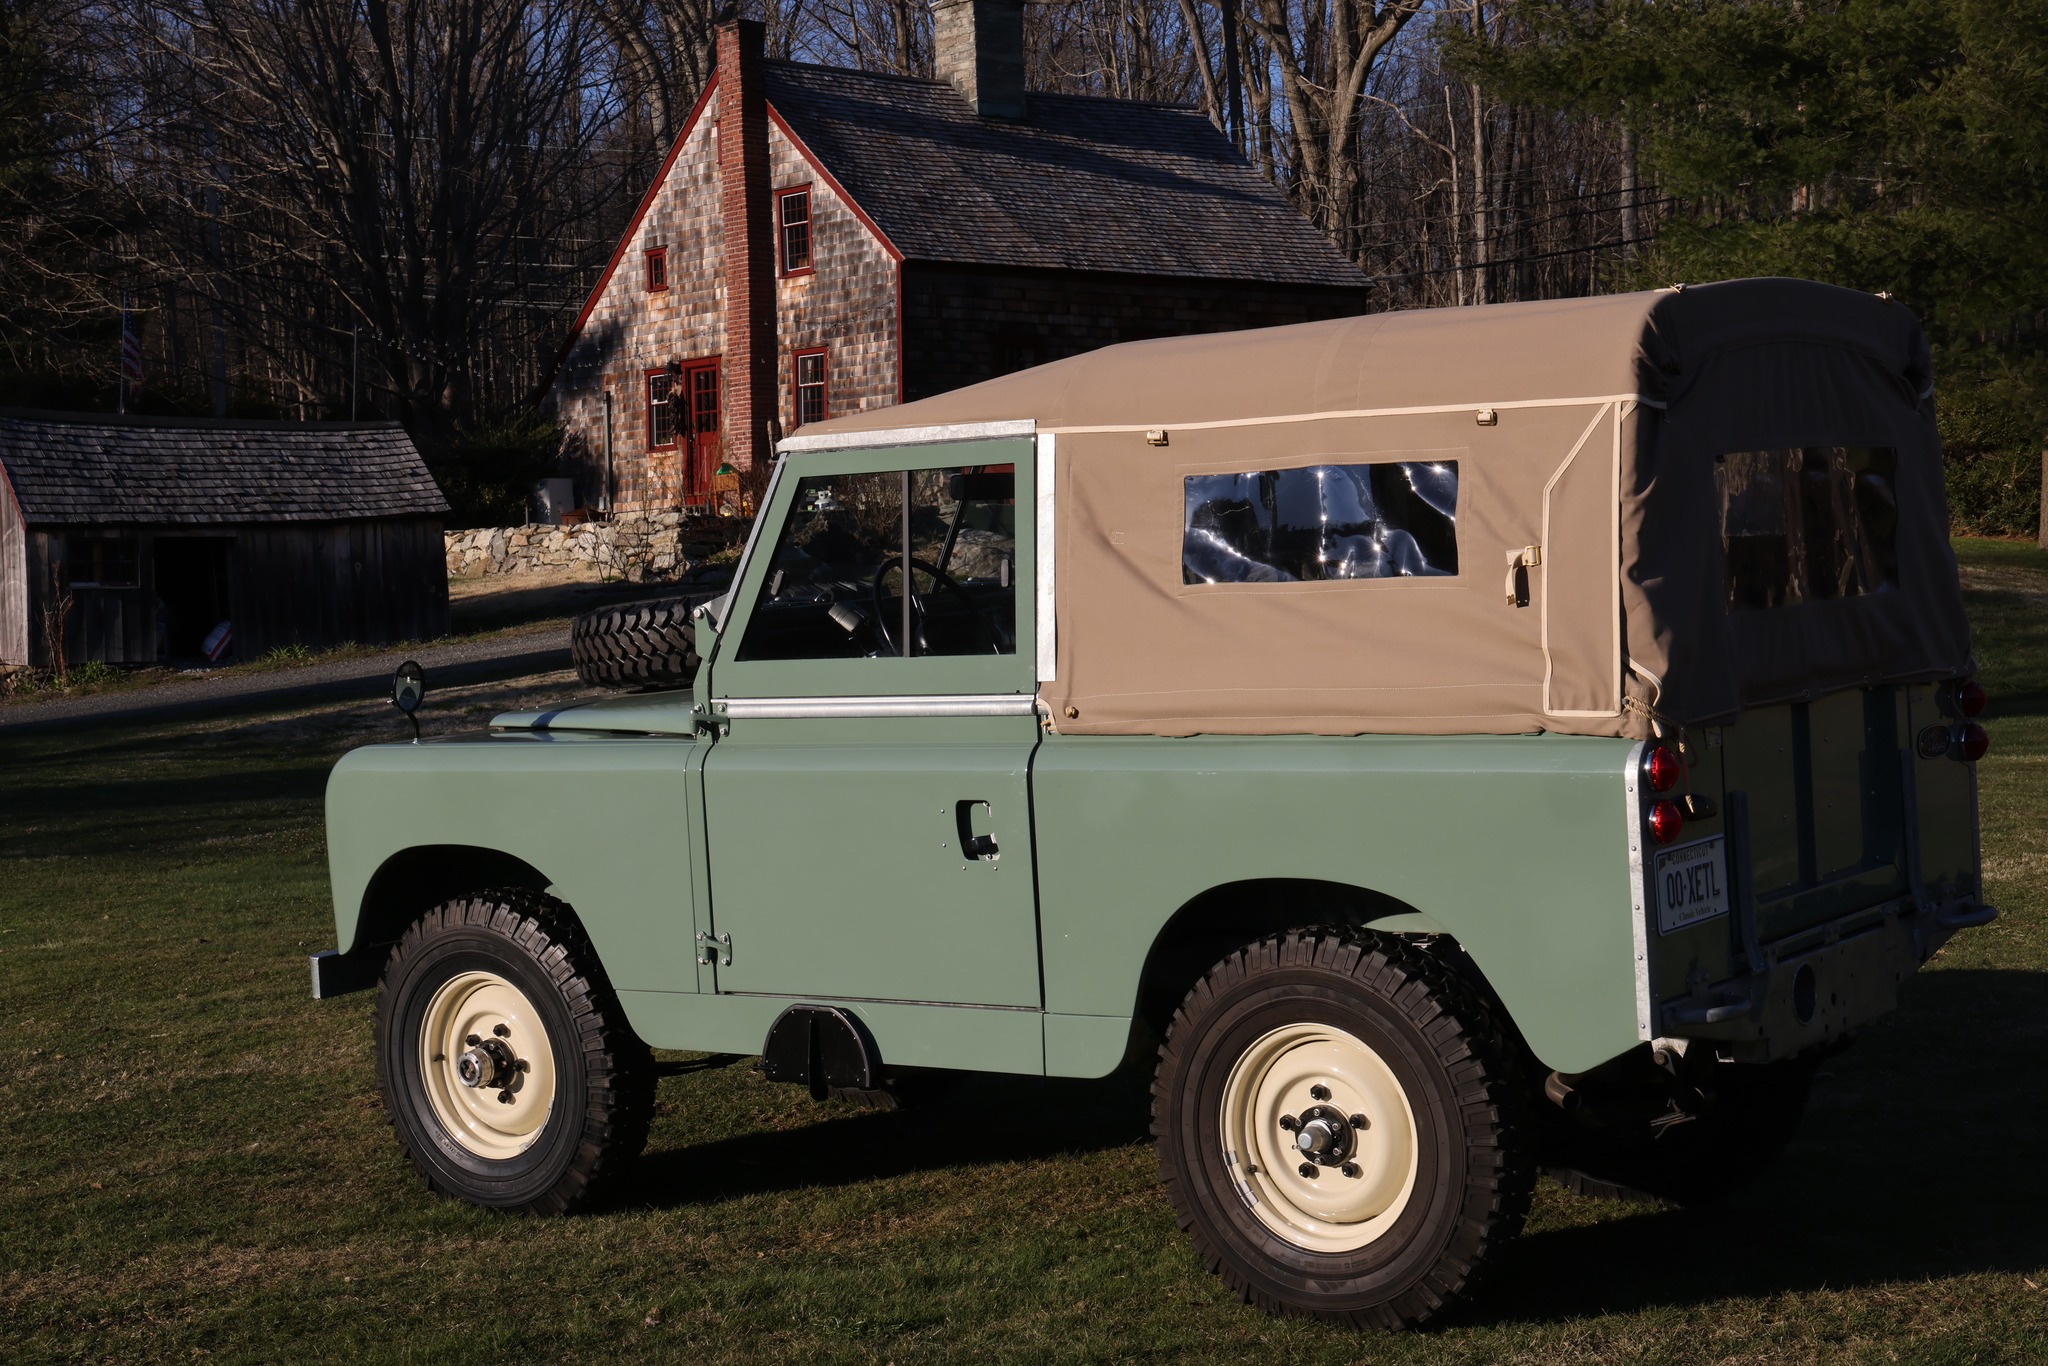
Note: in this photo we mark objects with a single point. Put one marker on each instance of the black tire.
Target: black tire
(597, 1115)
(638, 644)
(1433, 1032)
(1747, 1114)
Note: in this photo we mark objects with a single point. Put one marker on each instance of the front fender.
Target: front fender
(600, 822)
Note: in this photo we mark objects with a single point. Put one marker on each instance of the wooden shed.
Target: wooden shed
(161, 529)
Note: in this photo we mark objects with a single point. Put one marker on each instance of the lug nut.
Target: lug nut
(1358, 1122)
(1289, 1123)
(502, 1031)
(473, 1040)
(1351, 1170)
(1308, 1169)
(1320, 1092)
(504, 1097)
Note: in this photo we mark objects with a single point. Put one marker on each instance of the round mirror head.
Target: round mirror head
(408, 687)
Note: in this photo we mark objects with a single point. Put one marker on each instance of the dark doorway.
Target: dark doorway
(191, 592)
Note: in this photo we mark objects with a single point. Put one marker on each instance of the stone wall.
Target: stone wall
(637, 547)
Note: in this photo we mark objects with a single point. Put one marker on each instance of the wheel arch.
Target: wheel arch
(1212, 923)
(413, 881)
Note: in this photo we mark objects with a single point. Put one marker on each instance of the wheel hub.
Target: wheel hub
(1322, 1135)
(487, 1064)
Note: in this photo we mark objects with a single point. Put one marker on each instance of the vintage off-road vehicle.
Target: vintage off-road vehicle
(1446, 745)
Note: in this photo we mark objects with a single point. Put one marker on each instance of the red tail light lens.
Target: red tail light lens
(1976, 742)
(1666, 820)
(1662, 768)
(1971, 697)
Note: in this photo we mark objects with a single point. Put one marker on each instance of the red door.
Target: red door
(697, 414)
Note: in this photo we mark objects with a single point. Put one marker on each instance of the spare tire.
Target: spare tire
(637, 644)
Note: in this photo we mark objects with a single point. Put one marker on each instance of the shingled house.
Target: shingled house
(161, 529)
(821, 241)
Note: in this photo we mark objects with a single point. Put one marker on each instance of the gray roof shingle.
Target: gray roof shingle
(1079, 184)
(82, 468)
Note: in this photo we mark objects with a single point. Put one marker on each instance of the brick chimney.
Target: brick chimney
(978, 45)
(747, 215)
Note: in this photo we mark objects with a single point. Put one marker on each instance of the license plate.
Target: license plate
(1692, 883)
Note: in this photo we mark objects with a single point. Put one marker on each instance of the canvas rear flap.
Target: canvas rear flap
(1852, 374)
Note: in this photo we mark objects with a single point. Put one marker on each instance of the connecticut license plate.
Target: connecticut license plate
(1692, 883)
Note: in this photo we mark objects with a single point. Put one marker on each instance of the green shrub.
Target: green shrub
(281, 655)
(488, 471)
(1991, 440)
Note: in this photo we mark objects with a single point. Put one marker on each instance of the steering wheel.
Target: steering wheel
(991, 627)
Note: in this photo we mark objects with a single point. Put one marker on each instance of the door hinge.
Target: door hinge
(714, 946)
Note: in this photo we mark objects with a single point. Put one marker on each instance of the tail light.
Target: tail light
(1971, 697)
(1666, 820)
(1662, 768)
(1976, 742)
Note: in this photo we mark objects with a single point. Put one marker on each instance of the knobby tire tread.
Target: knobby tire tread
(619, 1104)
(1477, 1054)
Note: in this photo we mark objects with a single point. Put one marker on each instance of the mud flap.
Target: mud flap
(823, 1047)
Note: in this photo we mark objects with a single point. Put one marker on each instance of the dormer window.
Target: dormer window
(793, 229)
(657, 269)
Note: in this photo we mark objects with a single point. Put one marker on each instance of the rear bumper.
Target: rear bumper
(1819, 985)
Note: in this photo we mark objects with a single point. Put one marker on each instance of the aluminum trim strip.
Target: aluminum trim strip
(907, 436)
(1042, 532)
(877, 1001)
(837, 708)
(1639, 892)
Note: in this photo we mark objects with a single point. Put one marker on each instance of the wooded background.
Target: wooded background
(394, 208)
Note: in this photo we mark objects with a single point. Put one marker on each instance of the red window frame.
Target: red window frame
(657, 270)
(797, 387)
(672, 381)
(782, 227)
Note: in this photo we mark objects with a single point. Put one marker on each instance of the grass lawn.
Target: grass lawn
(193, 1161)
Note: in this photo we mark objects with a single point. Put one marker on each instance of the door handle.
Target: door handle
(974, 844)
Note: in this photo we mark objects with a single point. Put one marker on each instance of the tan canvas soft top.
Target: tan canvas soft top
(1586, 435)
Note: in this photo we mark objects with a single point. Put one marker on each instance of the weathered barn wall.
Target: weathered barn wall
(14, 625)
(322, 584)
(316, 584)
(965, 324)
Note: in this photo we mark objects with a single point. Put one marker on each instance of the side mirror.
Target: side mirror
(408, 690)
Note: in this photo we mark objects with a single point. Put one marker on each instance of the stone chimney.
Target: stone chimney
(747, 215)
(978, 45)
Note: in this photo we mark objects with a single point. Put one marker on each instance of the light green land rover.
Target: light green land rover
(1443, 746)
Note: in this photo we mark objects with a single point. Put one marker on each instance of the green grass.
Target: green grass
(193, 1160)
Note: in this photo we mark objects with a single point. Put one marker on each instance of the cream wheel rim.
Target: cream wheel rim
(1311, 1098)
(500, 1110)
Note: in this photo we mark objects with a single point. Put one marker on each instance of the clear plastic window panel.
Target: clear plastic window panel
(1808, 524)
(1322, 522)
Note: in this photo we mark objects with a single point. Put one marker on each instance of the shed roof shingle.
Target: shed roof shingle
(88, 468)
(1080, 183)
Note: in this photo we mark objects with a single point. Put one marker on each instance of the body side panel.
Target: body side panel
(1509, 843)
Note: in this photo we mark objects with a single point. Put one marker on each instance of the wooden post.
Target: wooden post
(2044, 500)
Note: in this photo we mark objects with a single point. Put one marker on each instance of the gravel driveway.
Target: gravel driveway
(453, 665)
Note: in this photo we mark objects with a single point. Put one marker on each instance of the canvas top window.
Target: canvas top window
(793, 225)
(1396, 519)
(1808, 524)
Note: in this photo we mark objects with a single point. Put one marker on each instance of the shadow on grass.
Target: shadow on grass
(1925, 1155)
(986, 1119)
